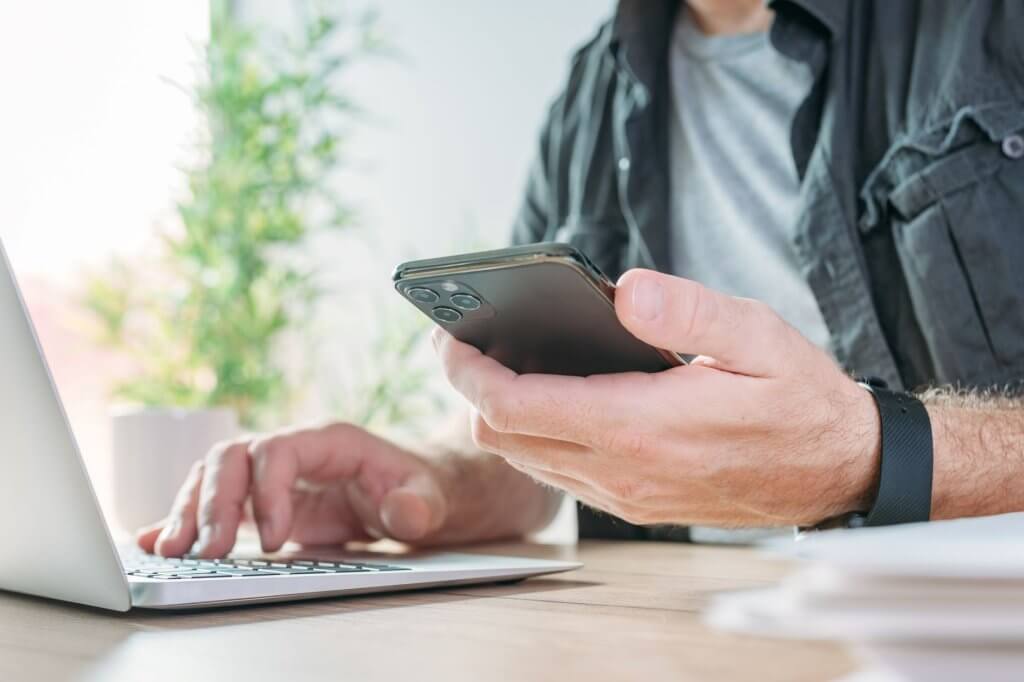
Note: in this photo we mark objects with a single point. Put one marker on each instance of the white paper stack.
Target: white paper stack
(938, 601)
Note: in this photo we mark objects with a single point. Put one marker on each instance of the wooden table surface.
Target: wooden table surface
(632, 613)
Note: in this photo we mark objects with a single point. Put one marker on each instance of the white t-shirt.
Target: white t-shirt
(735, 191)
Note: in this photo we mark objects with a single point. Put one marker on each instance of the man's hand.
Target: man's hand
(763, 428)
(337, 484)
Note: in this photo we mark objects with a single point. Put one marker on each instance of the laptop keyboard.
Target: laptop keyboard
(161, 568)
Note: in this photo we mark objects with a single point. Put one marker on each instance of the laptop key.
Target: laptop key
(180, 576)
(381, 567)
(341, 566)
(240, 570)
(150, 573)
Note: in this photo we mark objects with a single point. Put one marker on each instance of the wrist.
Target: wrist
(946, 503)
(863, 453)
(489, 500)
(903, 492)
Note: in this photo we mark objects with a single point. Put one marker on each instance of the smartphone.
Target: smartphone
(540, 308)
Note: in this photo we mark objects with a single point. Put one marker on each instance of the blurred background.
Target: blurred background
(203, 201)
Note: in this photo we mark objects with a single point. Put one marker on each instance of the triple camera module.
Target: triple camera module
(460, 301)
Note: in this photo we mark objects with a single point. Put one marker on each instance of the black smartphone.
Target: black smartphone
(540, 308)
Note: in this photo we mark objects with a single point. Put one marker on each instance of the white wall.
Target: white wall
(440, 163)
(457, 114)
(91, 136)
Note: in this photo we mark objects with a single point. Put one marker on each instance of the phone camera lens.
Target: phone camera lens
(422, 295)
(465, 301)
(447, 314)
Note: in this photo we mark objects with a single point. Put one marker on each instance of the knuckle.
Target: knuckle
(269, 446)
(496, 411)
(196, 471)
(340, 430)
(222, 451)
(484, 437)
(699, 313)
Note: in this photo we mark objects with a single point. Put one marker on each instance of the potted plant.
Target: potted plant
(203, 322)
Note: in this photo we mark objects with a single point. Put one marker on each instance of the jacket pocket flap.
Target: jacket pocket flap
(955, 172)
(945, 157)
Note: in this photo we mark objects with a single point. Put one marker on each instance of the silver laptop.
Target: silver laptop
(54, 541)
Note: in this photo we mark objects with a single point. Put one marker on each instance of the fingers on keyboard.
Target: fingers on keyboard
(190, 567)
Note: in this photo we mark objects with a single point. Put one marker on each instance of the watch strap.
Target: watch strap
(905, 472)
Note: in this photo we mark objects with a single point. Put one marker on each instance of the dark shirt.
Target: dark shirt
(910, 150)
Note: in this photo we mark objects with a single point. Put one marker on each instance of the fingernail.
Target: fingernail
(206, 536)
(647, 299)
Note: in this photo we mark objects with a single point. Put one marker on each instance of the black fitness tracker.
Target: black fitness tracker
(905, 471)
(904, 492)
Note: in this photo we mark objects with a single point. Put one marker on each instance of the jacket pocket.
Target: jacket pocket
(954, 200)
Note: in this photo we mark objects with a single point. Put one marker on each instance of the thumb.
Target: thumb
(741, 334)
(415, 509)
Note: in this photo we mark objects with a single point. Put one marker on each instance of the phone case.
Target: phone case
(541, 308)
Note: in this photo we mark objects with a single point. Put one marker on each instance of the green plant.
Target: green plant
(204, 322)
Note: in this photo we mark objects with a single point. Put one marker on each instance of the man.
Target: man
(859, 166)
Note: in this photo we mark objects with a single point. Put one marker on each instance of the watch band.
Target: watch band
(905, 472)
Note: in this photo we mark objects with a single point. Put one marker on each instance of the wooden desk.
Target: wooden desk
(631, 614)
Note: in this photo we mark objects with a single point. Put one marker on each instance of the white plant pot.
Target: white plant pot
(153, 450)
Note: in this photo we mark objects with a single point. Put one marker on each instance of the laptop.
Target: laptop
(55, 543)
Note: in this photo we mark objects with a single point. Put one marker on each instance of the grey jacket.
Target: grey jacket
(910, 150)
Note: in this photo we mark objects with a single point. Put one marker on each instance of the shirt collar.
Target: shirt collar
(832, 15)
(639, 18)
(640, 33)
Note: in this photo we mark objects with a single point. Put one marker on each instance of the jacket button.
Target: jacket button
(624, 162)
(1013, 146)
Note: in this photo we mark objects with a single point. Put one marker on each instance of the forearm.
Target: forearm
(488, 499)
(979, 453)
